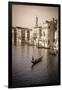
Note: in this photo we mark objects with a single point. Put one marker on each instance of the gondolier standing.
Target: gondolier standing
(32, 58)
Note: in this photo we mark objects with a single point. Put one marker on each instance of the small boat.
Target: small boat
(52, 52)
(36, 60)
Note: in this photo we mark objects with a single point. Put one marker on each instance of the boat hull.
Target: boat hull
(37, 60)
(52, 53)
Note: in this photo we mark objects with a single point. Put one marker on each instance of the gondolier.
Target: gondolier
(32, 59)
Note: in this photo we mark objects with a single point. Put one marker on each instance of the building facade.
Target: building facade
(45, 36)
(20, 35)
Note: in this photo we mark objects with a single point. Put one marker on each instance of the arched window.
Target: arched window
(44, 33)
(40, 34)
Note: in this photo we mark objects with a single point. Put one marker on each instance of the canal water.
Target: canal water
(26, 74)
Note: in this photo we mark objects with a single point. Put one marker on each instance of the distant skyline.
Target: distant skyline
(25, 16)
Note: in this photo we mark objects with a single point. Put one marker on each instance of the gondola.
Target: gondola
(37, 60)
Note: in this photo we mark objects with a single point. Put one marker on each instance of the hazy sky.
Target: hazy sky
(25, 16)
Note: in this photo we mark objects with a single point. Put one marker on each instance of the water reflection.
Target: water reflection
(24, 73)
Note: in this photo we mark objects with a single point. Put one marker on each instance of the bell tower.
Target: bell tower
(36, 25)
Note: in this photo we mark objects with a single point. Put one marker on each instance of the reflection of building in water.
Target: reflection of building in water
(41, 36)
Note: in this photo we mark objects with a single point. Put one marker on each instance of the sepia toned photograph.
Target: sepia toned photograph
(35, 30)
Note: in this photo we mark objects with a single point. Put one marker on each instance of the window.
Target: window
(44, 33)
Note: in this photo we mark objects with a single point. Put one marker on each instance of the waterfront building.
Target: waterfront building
(13, 28)
(56, 38)
(35, 33)
(52, 30)
(45, 36)
(20, 35)
(48, 33)
(14, 35)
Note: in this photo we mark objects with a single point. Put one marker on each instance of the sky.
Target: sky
(25, 16)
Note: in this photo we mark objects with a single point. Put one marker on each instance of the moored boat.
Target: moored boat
(52, 52)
